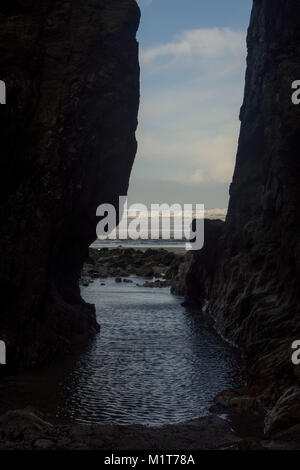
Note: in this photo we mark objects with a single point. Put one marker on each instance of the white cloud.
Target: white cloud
(205, 43)
(191, 93)
(144, 3)
(190, 156)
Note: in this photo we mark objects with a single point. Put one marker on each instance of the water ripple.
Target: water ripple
(153, 363)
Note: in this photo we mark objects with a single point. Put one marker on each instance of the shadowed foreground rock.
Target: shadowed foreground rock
(24, 429)
(248, 281)
(27, 429)
(67, 145)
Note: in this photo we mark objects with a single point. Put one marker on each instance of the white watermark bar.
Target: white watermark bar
(2, 353)
(2, 92)
(159, 223)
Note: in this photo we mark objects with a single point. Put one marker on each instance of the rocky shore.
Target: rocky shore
(159, 267)
(28, 429)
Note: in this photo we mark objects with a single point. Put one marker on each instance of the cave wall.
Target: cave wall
(67, 145)
(249, 280)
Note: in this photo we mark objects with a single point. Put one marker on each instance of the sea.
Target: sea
(175, 239)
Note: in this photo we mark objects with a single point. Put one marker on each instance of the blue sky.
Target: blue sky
(192, 56)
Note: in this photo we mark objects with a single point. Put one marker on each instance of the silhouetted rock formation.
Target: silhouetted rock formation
(67, 145)
(250, 283)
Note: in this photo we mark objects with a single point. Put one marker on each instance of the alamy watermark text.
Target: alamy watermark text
(160, 222)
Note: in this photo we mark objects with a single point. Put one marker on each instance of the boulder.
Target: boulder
(284, 417)
(240, 401)
(44, 444)
(18, 423)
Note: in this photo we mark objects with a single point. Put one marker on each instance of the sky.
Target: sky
(193, 61)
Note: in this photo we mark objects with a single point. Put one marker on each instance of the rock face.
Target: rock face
(123, 262)
(67, 145)
(250, 281)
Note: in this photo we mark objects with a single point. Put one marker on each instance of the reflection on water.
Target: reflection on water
(152, 363)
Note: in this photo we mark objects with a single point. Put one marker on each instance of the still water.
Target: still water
(153, 363)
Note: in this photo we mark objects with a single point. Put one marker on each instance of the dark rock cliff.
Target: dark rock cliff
(249, 280)
(67, 145)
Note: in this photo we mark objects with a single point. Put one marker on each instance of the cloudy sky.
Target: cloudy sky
(192, 56)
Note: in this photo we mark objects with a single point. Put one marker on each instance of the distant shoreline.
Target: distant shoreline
(178, 250)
